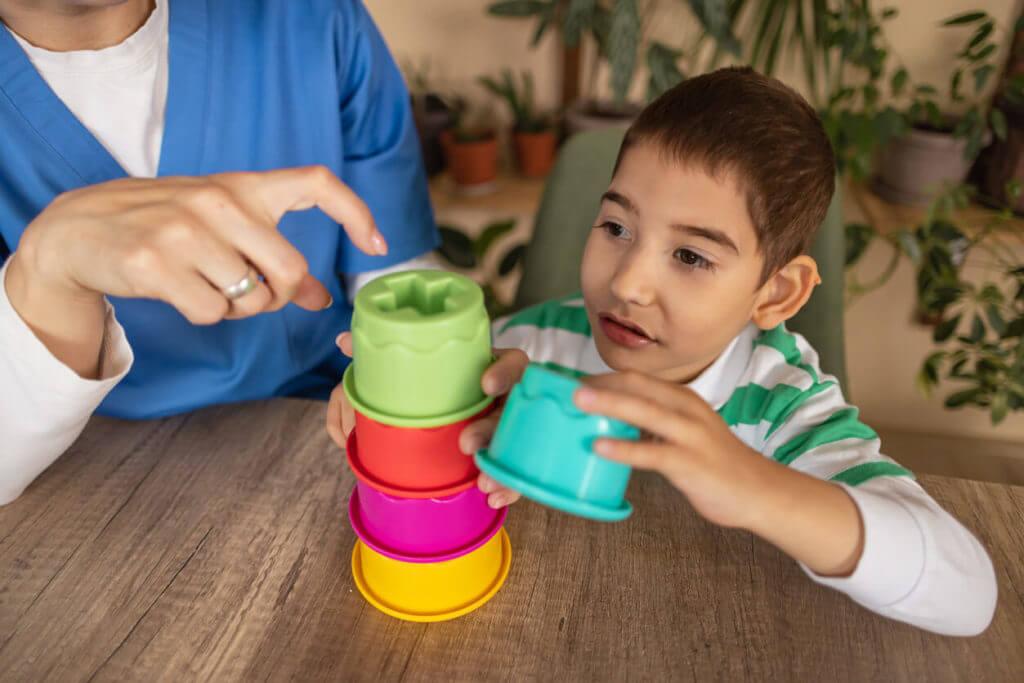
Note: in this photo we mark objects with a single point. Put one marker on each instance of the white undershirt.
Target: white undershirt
(119, 94)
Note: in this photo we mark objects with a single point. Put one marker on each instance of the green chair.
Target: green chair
(572, 196)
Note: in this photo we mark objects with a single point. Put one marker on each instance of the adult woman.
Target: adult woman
(199, 101)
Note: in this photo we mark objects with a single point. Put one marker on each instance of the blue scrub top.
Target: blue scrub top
(253, 85)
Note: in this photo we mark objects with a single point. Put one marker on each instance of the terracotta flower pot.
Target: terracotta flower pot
(535, 152)
(471, 163)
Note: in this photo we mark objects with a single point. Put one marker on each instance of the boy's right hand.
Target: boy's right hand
(497, 381)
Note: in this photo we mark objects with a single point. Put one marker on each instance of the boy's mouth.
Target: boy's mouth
(624, 332)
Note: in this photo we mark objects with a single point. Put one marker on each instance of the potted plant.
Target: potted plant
(432, 113)
(937, 150)
(616, 27)
(978, 323)
(533, 133)
(471, 152)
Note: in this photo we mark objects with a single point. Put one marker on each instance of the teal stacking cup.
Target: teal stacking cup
(543, 449)
(421, 341)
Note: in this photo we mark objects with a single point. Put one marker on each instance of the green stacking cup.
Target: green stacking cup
(421, 341)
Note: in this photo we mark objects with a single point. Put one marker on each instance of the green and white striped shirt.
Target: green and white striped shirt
(769, 389)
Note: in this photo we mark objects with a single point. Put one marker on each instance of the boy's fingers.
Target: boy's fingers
(635, 410)
(477, 434)
(344, 343)
(487, 484)
(504, 372)
(645, 455)
(334, 411)
(503, 498)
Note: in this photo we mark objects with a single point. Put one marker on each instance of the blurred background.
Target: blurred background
(923, 100)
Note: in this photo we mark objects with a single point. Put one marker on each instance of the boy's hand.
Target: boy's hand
(684, 439)
(497, 381)
(725, 480)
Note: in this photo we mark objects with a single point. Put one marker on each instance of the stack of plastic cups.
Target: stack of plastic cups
(429, 548)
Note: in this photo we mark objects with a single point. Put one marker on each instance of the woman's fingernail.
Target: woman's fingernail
(496, 501)
(603, 447)
(337, 340)
(379, 244)
(330, 302)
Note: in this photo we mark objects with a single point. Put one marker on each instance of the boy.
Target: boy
(697, 258)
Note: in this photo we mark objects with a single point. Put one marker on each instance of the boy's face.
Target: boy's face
(671, 269)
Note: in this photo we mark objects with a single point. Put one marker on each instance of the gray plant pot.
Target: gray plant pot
(916, 168)
(585, 115)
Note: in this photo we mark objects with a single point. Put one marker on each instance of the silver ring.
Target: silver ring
(243, 286)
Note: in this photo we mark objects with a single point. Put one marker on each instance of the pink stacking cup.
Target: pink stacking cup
(423, 529)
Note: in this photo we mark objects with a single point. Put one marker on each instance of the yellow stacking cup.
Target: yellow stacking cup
(432, 591)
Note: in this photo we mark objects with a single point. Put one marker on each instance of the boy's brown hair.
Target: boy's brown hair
(736, 120)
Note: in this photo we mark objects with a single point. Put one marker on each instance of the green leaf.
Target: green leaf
(981, 75)
(899, 81)
(858, 237)
(1015, 328)
(909, 244)
(870, 94)
(925, 89)
(623, 41)
(962, 398)
(983, 53)
(547, 17)
(995, 319)
(946, 328)
(966, 18)
(662, 65)
(929, 374)
(889, 12)
(999, 406)
(578, 15)
(713, 15)
(509, 261)
(981, 34)
(456, 247)
(998, 120)
(954, 89)
(516, 8)
(1019, 26)
(490, 234)
(977, 329)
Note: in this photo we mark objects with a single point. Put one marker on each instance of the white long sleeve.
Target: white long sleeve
(44, 405)
(919, 564)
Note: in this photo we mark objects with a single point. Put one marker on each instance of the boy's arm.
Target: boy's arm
(919, 564)
(824, 494)
(912, 561)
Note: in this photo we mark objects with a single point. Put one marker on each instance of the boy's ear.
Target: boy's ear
(785, 292)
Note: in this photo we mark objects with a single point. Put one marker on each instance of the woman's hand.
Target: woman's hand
(498, 380)
(181, 240)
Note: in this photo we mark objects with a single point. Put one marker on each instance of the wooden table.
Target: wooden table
(216, 546)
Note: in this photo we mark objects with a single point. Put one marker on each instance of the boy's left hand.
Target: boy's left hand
(691, 445)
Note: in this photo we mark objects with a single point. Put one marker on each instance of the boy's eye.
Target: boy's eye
(692, 259)
(613, 228)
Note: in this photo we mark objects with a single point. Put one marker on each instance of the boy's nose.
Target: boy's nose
(633, 282)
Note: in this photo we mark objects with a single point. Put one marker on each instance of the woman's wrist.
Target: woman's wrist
(68, 319)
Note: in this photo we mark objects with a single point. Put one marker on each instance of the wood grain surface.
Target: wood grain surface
(216, 545)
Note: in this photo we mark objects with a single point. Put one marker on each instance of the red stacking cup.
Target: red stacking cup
(412, 462)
